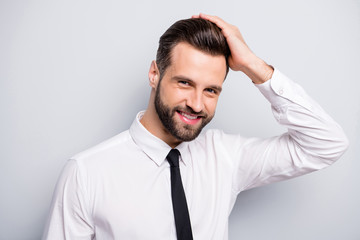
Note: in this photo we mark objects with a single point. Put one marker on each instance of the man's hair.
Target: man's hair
(199, 33)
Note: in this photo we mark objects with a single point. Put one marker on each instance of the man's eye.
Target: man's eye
(210, 90)
(184, 82)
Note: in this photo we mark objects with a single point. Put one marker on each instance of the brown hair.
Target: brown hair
(199, 33)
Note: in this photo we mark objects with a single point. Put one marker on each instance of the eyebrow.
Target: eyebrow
(183, 78)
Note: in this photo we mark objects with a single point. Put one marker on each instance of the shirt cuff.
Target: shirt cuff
(280, 91)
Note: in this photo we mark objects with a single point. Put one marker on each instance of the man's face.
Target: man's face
(186, 97)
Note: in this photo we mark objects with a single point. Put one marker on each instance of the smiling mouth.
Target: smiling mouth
(189, 118)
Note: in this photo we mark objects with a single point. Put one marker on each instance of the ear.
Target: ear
(154, 75)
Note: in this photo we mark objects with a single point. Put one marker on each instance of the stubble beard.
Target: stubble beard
(183, 132)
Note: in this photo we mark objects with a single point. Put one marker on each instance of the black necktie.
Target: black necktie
(181, 213)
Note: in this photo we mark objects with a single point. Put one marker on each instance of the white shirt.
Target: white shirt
(120, 189)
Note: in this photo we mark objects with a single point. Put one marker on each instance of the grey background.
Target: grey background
(74, 73)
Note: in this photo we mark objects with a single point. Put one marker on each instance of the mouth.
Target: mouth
(189, 118)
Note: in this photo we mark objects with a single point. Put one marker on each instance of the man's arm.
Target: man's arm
(69, 218)
(313, 141)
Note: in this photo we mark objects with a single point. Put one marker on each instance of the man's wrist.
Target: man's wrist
(258, 70)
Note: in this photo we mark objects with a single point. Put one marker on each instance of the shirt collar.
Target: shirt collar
(155, 148)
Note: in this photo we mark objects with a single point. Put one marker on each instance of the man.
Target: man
(124, 188)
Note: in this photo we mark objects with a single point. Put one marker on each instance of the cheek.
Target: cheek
(172, 96)
(211, 105)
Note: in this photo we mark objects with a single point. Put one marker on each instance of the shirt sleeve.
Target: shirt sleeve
(313, 140)
(69, 217)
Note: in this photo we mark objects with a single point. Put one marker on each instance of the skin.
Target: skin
(242, 58)
(192, 83)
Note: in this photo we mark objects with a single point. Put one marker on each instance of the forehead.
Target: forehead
(195, 64)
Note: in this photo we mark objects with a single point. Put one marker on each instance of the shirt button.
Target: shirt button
(281, 91)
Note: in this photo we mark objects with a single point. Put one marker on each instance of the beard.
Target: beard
(181, 131)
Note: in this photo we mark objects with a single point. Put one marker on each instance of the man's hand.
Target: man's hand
(241, 58)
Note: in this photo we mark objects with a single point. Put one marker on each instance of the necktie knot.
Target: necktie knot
(173, 157)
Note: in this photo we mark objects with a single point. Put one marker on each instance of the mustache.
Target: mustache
(188, 109)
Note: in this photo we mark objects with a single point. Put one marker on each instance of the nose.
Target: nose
(195, 101)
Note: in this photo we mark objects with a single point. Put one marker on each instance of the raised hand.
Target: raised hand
(241, 58)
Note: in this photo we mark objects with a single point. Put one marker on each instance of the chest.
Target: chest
(130, 201)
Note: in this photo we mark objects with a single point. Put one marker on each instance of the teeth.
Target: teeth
(188, 116)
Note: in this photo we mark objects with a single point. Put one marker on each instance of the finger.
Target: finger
(215, 19)
(195, 16)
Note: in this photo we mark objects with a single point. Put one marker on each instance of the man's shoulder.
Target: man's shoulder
(119, 141)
